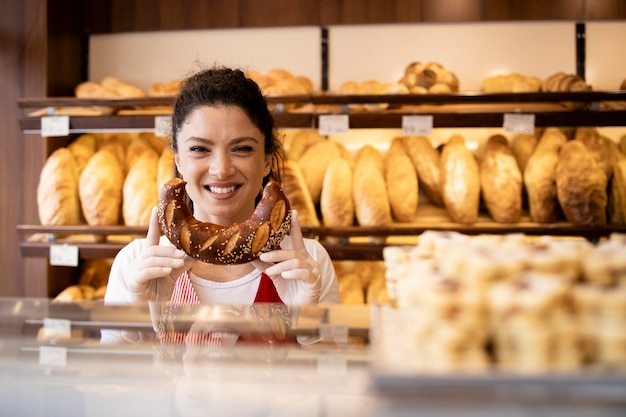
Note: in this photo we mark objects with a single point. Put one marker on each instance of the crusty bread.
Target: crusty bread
(298, 194)
(540, 177)
(83, 148)
(460, 181)
(350, 290)
(426, 161)
(166, 168)
(501, 181)
(603, 149)
(402, 184)
(135, 149)
(122, 88)
(336, 203)
(57, 191)
(617, 193)
(369, 189)
(301, 141)
(313, 164)
(139, 193)
(100, 188)
(523, 145)
(581, 185)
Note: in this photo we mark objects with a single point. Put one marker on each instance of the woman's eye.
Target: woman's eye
(243, 148)
(198, 149)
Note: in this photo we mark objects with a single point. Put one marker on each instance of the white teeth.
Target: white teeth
(222, 190)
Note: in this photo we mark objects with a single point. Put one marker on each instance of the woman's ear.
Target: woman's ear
(177, 162)
(268, 165)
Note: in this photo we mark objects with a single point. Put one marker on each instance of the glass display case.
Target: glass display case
(261, 360)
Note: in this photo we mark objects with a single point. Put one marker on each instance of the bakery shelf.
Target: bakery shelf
(342, 243)
(470, 109)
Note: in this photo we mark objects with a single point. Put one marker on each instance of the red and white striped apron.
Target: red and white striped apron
(184, 293)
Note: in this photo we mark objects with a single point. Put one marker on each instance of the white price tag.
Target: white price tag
(63, 255)
(334, 332)
(417, 125)
(330, 364)
(57, 328)
(519, 123)
(162, 126)
(55, 126)
(52, 356)
(333, 124)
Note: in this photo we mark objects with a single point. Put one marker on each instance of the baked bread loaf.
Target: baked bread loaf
(540, 177)
(122, 88)
(100, 189)
(336, 203)
(57, 192)
(224, 245)
(426, 161)
(350, 290)
(402, 184)
(83, 148)
(431, 77)
(523, 145)
(460, 181)
(164, 89)
(135, 149)
(581, 185)
(298, 194)
(313, 164)
(501, 181)
(301, 141)
(140, 194)
(369, 189)
(617, 193)
(90, 89)
(622, 144)
(166, 168)
(603, 149)
(511, 83)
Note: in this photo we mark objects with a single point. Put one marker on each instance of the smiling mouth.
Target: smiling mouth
(222, 190)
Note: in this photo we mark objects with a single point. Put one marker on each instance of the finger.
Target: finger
(154, 228)
(260, 265)
(296, 232)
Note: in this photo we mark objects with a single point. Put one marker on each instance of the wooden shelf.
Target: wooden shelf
(342, 243)
(471, 109)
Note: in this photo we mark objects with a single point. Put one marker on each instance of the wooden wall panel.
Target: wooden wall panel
(114, 16)
(605, 9)
(253, 13)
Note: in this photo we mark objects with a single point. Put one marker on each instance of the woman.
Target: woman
(226, 150)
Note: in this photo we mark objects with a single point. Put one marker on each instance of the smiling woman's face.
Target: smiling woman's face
(221, 156)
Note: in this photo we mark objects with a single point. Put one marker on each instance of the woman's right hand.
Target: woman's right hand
(155, 262)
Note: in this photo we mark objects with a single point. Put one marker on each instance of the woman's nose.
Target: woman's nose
(221, 166)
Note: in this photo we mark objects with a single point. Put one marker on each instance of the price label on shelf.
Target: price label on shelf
(334, 124)
(57, 328)
(519, 123)
(162, 126)
(64, 255)
(53, 356)
(415, 125)
(55, 126)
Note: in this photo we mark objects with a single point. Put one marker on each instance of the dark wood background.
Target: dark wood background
(43, 52)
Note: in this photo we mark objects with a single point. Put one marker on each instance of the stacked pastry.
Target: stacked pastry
(429, 78)
(542, 305)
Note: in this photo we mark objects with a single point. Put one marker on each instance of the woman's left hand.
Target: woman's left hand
(293, 264)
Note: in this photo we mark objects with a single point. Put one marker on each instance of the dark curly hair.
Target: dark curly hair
(222, 86)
